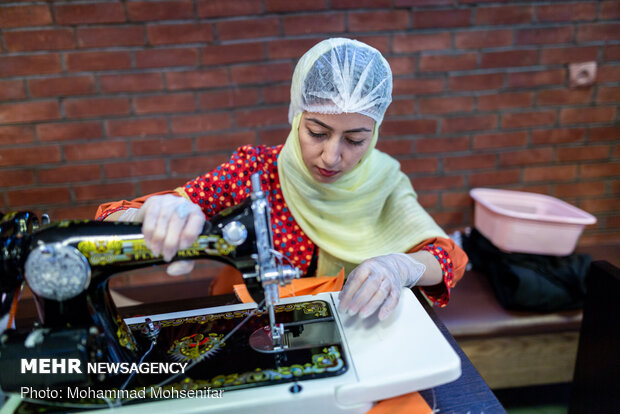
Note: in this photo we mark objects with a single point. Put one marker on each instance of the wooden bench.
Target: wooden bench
(514, 348)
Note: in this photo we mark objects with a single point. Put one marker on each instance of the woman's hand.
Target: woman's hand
(377, 282)
(169, 224)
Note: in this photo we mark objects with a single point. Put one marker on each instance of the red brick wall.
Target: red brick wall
(115, 99)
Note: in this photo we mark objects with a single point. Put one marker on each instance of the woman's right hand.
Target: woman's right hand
(169, 224)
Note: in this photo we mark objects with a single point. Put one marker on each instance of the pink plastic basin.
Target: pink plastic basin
(521, 222)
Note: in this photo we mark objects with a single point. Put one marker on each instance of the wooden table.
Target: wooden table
(469, 393)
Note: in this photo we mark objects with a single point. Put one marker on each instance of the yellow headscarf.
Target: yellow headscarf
(371, 210)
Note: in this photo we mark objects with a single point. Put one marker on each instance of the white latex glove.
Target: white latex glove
(169, 224)
(377, 282)
(181, 267)
(128, 215)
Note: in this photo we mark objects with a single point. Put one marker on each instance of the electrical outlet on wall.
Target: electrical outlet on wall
(582, 74)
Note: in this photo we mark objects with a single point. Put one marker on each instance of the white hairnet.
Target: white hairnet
(341, 76)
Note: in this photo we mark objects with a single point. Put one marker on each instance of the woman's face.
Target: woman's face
(331, 145)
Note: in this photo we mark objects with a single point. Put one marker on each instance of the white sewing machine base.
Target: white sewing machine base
(402, 354)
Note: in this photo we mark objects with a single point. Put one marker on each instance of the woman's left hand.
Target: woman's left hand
(377, 282)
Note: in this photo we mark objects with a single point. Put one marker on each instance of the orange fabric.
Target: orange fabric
(225, 280)
(412, 403)
(13, 310)
(300, 287)
(440, 294)
(229, 277)
(135, 203)
(457, 255)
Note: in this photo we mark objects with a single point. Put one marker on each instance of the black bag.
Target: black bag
(530, 281)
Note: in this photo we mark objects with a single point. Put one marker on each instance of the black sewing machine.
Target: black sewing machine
(68, 264)
(313, 359)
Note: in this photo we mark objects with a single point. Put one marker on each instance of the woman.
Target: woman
(333, 195)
